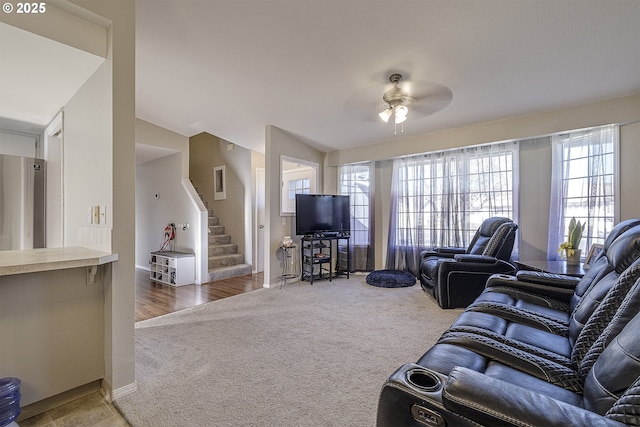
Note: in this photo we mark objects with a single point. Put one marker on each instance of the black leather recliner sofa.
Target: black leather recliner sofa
(454, 277)
(534, 349)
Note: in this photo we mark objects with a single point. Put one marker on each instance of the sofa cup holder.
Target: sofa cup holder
(423, 380)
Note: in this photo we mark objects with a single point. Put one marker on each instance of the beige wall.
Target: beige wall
(535, 160)
(150, 134)
(120, 286)
(235, 212)
(277, 144)
(629, 170)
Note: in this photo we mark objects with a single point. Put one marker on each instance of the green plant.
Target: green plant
(575, 232)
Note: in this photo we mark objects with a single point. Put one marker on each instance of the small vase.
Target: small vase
(575, 258)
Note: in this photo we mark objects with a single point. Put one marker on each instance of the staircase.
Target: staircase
(224, 260)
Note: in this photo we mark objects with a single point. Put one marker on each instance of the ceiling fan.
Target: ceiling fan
(404, 99)
(398, 102)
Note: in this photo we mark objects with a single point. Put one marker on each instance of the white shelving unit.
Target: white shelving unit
(172, 268)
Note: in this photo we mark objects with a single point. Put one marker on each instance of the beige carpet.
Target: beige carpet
(303, 355)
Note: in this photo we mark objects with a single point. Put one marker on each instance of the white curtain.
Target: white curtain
(440, 199)
(582, 186)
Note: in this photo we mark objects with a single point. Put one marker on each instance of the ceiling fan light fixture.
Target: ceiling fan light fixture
(400, 119)
(386, 114)
(401, 112)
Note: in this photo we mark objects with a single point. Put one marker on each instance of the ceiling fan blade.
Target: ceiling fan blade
(424, 98)
(366, 103)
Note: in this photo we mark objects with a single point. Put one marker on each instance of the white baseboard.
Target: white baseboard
(123, 391)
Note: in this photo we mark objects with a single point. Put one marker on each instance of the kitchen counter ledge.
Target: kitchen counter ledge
(47, 259)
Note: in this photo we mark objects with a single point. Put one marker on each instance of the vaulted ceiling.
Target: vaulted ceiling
(318, 68)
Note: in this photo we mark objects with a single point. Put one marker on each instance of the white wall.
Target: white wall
(162, 177)
(88, 160)
(17, 144)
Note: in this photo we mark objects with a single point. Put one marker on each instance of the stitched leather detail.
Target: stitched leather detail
(519, 345)
(627, 409)
(619, 306)
(538, 299)
(512, 313)
(498, 238)
(539, 367)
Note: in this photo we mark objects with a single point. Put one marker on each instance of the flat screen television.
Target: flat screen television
(320, 214)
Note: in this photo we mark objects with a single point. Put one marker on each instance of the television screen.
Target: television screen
(319, 213)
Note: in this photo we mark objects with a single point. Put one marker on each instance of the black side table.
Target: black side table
(555, 267)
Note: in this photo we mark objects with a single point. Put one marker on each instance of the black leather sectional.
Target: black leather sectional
(534, 349)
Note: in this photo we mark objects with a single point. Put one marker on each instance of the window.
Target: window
(299, 186)
(356, 181)
(440, 199)
(583, 185)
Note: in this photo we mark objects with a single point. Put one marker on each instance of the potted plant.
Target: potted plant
(571, 246)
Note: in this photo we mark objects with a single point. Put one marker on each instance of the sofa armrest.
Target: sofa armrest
(557, 280)
(482, 259)
(560, 289)
(444, 252)
(490, 401)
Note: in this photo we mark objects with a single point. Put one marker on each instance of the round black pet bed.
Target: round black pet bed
(391, 279)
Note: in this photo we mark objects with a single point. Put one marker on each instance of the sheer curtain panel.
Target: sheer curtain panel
(583, 186)
(440, 199)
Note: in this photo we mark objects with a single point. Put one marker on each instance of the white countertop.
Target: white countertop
(35, 260)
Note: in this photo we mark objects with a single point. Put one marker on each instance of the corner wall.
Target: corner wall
(277, 143)
(119, 376)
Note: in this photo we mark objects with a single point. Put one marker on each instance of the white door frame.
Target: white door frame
(260, 219)
(53, 153)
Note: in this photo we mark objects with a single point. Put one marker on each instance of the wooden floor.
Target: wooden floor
(155, 299)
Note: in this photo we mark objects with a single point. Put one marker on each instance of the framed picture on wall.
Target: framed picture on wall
(594, 252)
(219, 183)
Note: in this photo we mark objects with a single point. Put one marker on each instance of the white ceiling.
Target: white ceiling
(38, 76)
(230, 68)
(318, 68)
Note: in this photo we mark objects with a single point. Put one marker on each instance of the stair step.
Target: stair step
(213, 221)
(225, 260)
(227, 249)
(216, 229)
(219, 239)
(228, 272)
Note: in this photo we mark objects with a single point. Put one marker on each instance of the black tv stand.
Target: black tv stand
(317, 257)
